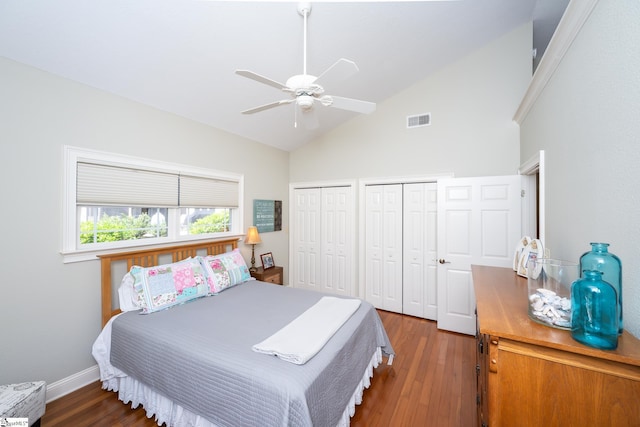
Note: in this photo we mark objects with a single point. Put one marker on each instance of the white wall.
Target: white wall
(587, 120)
(471, 103)
(50, 311)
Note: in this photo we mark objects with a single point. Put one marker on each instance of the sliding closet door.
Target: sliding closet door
(383, 246)
(305, 271)
(419, 291)
(336, 258)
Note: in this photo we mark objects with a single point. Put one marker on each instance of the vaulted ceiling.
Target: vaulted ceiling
(180, 56)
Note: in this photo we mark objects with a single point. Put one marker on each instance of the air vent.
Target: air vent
(419, 120)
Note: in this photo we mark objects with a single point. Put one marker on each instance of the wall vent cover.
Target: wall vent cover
(419, 120)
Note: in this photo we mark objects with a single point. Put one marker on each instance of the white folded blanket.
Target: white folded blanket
(305, 335)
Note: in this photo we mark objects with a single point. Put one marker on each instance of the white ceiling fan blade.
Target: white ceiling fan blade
(363, 107)
(341, 70)
(267, 106)
(257, 77)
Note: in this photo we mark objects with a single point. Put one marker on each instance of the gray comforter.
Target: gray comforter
(199, 355)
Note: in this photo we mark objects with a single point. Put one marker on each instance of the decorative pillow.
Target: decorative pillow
(225, 270)
(164, 286)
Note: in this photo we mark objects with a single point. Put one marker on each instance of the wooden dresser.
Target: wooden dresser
(535, 375)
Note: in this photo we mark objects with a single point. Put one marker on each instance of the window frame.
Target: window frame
(71, 250)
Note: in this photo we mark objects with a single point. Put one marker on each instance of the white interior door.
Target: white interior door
(383, 246)
(306, 239)
(478, 223)
(336, 240)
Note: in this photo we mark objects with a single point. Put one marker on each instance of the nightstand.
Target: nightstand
(271, 275)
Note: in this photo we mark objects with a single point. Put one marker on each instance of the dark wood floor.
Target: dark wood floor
(432, 383)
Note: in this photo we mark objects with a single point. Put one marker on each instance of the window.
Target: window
(114, 201)
(100, 224)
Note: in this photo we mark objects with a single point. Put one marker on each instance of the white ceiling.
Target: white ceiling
(180, 55)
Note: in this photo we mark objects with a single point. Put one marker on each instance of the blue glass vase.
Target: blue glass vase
(594, 313)
(601, 259)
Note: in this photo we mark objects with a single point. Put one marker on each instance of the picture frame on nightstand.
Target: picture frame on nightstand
(267, 261)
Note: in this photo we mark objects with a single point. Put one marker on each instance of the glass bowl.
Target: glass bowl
(549, 291)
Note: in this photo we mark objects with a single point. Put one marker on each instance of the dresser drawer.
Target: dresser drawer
(276, 278)
(271, 275)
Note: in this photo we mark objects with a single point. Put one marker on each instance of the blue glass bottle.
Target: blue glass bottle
(594, 313)
(601, 259)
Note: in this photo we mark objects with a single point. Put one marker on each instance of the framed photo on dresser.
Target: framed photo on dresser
(267, 261)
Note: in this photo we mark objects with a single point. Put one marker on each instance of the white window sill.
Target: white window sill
(69, 257)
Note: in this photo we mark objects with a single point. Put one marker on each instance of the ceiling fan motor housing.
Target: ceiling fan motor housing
(301, 82)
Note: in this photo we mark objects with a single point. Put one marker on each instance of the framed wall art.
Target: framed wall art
(267, 215)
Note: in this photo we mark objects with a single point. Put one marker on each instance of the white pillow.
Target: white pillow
(127, 294)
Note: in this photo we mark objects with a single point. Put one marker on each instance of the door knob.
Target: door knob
(443, 261)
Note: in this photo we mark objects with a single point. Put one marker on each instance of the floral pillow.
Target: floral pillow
(225, 270)
(164, 286)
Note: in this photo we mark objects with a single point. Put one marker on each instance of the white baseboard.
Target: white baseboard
(72, 383)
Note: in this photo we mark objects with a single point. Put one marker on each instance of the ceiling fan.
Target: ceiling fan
(305, 90)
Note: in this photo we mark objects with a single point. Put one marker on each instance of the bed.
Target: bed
(195, 364)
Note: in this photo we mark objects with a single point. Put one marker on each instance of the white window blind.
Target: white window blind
(206, 192)
(121, 186)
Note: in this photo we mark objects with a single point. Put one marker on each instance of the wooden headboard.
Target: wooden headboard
(150, 257)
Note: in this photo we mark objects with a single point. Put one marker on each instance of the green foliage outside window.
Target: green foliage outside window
(115, 228)
(217, 222)
(120, 227)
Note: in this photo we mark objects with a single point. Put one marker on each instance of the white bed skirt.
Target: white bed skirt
(174, 415)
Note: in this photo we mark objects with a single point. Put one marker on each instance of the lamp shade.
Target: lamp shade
(252, 237)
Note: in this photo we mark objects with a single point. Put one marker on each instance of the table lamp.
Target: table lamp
(252, 238)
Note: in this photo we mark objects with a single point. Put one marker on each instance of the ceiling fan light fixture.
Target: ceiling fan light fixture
(305, 102)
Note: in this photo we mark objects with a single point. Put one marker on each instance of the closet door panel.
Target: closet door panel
(431, 251)
(299, 268)
(344, 241)
(307, 239)
(393, 247)
(419, 288)
(383, 246)
(337, 235)
(328, 230)
(413, 286)
(373, 245)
